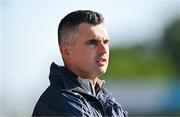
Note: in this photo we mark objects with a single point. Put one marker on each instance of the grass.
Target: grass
(137, 62)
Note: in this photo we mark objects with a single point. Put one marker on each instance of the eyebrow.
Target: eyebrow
(95, 40)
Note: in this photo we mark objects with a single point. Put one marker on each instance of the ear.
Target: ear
(64, 50)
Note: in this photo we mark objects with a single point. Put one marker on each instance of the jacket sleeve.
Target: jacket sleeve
(60, 104)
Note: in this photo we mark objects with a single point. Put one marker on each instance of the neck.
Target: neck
(84, 75)
(92, 78)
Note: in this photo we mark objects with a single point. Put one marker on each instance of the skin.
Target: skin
(88, 56)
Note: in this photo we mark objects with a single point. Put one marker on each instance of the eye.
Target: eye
(106, 41)
(92, 42)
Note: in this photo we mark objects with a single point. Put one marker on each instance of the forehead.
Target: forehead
(89, 31)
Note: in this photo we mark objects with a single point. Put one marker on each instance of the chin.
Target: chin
(102, 71)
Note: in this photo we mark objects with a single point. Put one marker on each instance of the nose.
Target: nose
(103, 48)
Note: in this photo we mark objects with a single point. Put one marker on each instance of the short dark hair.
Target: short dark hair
(73, 19)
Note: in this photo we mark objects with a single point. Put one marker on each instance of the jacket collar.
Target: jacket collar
(72, 82)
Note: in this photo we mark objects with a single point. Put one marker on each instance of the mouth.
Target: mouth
(101, 61)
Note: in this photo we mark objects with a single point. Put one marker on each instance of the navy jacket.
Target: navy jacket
(69, 95)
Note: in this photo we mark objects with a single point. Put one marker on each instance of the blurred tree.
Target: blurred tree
(171, 45)
(171, 42)
(144, 61)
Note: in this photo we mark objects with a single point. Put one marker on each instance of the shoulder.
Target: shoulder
(59, 102)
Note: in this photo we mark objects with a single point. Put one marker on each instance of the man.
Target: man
(75, 89)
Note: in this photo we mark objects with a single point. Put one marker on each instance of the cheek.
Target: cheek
(89, 54)
(107, 51)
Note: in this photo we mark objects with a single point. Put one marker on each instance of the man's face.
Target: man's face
(89, 55)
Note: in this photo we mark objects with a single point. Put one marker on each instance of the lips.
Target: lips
(101, 61)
